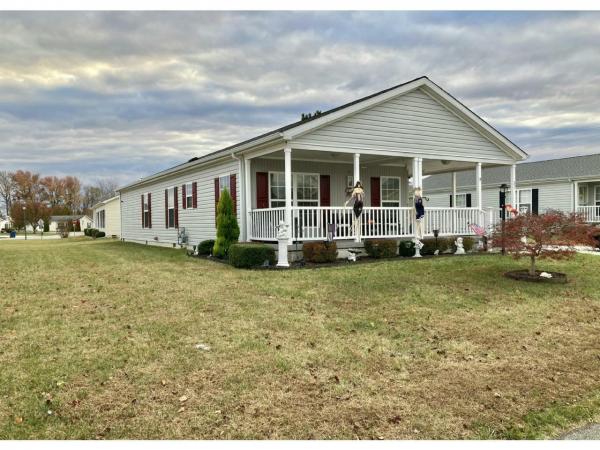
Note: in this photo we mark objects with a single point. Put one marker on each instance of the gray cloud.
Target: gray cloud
(121, 95)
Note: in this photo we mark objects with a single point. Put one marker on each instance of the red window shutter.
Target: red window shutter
(324, 186)
(262, 190)
(194, 195)
(375, 191)
(143, 224)
(149, 210)
(176, 206)
(217, 194)
(166, 208)
(233, 187)
(183, 197)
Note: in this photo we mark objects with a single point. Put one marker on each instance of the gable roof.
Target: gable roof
(288, 132)
(105, 201)
(552, 169)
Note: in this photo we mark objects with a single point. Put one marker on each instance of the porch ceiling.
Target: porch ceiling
(430, 166)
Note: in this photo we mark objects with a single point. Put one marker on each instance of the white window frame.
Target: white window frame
(294, 188)
(350, 181)
(462, 195)
(582, 189)
(597, 195)
(382, 201)
(189, 197)
(171, 207)
(146, 210)
(226, 176)
(519, 204)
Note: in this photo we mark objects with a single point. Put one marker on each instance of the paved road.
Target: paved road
(589, 432)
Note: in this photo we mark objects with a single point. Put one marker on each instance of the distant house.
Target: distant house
(302, 174)
(566, 184)
(5, 223)
(107, 216)
(58, 222)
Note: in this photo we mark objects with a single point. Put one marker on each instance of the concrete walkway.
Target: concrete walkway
(590, 431)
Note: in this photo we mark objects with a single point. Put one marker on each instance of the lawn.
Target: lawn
(98, 340)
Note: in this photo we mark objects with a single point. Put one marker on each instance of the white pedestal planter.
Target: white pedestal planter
(282, 245)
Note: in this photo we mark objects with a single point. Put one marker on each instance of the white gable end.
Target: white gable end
(412, 124)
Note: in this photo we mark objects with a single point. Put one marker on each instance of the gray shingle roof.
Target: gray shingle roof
(552, 169)
(65, 218)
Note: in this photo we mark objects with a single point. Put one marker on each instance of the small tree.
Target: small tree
(228, 230)
(552, 235)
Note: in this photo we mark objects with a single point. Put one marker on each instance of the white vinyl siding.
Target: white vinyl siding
(413, 123)
(111, 212)
(199, 223)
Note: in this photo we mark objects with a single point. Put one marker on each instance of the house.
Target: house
(107, 216)
(5, 223)
(58, 222)
(566, 184)
(300, 174)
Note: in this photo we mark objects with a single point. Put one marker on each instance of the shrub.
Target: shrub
(319, 252)
(205, 247)
(46, 226)
(228, 230)
(99, 234)
(86, 232)
(92, 232)
(406, 248)
(381, 248)
(246, 255)
(429, 246)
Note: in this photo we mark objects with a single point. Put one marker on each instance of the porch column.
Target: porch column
(576, 196)
(513, 184)
(454, 189)
(357, 168)
(288, 189)
(478, 185)
(417, 173)
(248, 196)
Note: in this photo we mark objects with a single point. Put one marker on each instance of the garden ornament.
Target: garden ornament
(460, 250)
(418, 247)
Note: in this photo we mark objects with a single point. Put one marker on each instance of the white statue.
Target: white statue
(460, 249)
(282, 230)
(418, 247)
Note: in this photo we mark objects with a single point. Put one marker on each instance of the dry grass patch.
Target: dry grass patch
(103, 335)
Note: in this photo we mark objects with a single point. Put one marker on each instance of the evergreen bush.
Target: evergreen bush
(319, 252)
(247, 255)
(205, 247)
(228, 230)
(406, 248)
(381, 248)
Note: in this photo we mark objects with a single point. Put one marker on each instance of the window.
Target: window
(305, 189)
(597, 195)
(146, 212)
(189, 200)
(224, 184)
(100, 219)
(350, 181)
(390, 191)
(583, 194)
(461, 201)
(524, 205)
(171, 208)
(277, 189)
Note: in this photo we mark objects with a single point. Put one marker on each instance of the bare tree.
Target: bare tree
(7, 189)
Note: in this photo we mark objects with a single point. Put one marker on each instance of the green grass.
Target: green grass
(103, 335)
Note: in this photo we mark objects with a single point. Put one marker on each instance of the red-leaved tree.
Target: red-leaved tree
(551, 235)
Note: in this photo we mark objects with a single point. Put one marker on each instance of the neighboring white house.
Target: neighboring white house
(5, 222)
(566, 184)
(300, 174)
(55, 221)
(107, 216)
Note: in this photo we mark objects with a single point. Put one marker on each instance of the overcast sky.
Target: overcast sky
(123, 95)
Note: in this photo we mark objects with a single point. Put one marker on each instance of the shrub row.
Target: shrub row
(319, 252)
(247, 255)
(94, 233)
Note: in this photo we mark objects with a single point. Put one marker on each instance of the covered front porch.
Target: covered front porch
(307, 190)
(588, 200)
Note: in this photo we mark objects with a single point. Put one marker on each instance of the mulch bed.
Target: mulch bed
(524, 275)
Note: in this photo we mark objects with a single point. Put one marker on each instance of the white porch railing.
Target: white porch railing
(316, 223)
(589, 213)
